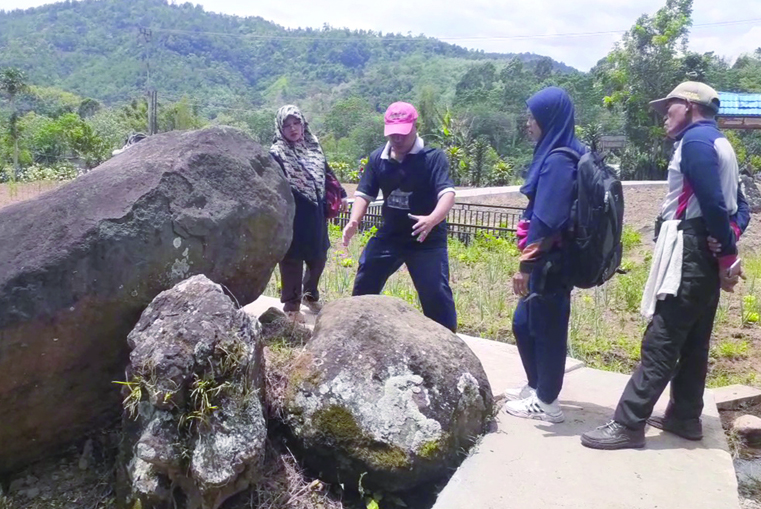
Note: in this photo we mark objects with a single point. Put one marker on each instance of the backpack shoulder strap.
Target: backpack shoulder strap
(565, 150)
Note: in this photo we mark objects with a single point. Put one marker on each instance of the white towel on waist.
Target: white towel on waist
(666, 270)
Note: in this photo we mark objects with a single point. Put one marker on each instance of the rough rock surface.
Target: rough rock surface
(194, 387)
(751, 192)
(748, 427)
(383, 391)
(79, 264)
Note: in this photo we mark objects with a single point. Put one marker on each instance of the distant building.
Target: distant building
(739, 111)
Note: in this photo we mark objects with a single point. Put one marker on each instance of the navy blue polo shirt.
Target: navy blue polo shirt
(413, 186)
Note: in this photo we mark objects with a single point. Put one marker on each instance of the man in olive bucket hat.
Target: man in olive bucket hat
(682, 292)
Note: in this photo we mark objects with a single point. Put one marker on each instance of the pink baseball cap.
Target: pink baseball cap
(399, 118)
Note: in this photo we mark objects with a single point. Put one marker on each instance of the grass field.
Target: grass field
(605, 327)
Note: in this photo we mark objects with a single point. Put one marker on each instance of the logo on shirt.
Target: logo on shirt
(399, 200)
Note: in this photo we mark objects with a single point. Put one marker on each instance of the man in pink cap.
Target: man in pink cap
(418, 195)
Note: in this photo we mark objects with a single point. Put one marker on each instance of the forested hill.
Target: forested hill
(96, 48)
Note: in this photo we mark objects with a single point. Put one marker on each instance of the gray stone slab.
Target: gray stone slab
(503, 364)
(529, 464)
(733, 397)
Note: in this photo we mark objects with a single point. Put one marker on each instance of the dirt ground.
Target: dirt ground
(12, 193)
(641, 207)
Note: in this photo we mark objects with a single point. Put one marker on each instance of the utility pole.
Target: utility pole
(153, 110)
(146, 35)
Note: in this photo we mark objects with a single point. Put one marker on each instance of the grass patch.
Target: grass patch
(730, 349)
(630, 238)
(605, 328)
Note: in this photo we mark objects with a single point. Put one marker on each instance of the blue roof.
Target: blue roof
(746, 105)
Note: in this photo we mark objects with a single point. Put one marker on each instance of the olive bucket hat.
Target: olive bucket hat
(692, 91)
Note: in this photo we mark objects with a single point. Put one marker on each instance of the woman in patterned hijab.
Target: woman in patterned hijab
(299, 154)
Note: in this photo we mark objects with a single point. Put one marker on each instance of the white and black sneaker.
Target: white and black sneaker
(534, 408)
(517, 393)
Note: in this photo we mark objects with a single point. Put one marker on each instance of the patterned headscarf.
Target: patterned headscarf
(303, 161)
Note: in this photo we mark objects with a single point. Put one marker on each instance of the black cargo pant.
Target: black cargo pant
(676, 342)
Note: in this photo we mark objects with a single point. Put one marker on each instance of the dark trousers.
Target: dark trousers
(429, 270)
(296, 283)
(540, 326)
(676, 343)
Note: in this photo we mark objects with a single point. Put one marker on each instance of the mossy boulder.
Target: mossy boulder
(383, 391)
(194, 418)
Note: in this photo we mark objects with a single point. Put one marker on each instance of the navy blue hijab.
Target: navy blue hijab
(553, 110)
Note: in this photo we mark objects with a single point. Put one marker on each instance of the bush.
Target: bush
(346, 173)
(502, 174)
(35, 173)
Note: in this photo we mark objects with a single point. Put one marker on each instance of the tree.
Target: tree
(180, 116)
(12, 83)
(478, 159)
(428, 111)
(646, 65)
(88, 107)
(64, 138)
(747, 69)
(476, 85)
(346, 115)
(543, 68)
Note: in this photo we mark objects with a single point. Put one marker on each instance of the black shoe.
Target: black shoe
(613, 436)
(691, 429)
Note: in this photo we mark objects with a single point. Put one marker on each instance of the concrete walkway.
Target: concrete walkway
(491, 191)
(528, 464)
(515, 190)
(531, 465)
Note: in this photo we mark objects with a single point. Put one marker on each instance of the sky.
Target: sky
(727, 27)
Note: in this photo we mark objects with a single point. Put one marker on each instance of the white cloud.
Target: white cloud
(509, 26)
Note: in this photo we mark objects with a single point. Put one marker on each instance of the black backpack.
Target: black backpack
(597, 219)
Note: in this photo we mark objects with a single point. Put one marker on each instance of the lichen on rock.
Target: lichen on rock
(200, 423)
(386, 393)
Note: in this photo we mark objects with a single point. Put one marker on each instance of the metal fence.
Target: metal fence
(465, 220)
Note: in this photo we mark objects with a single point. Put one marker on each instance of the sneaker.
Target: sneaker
(613, 436)
(517, 393)
(690, 429)
(314, 306)
(295, 316)
(534, 408)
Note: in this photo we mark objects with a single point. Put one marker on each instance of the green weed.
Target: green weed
(134, 395)
(203, 393)
(749, 311)
(630, 238)
(730, 350)
(720, 377)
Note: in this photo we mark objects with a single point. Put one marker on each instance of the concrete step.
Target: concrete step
(732, 397)
(529, 464)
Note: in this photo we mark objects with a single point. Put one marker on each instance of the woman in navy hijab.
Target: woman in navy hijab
(540, 322)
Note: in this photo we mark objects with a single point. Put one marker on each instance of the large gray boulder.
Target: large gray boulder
(751, 192)
(381, 390)
(79, 264)
(193, 413)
